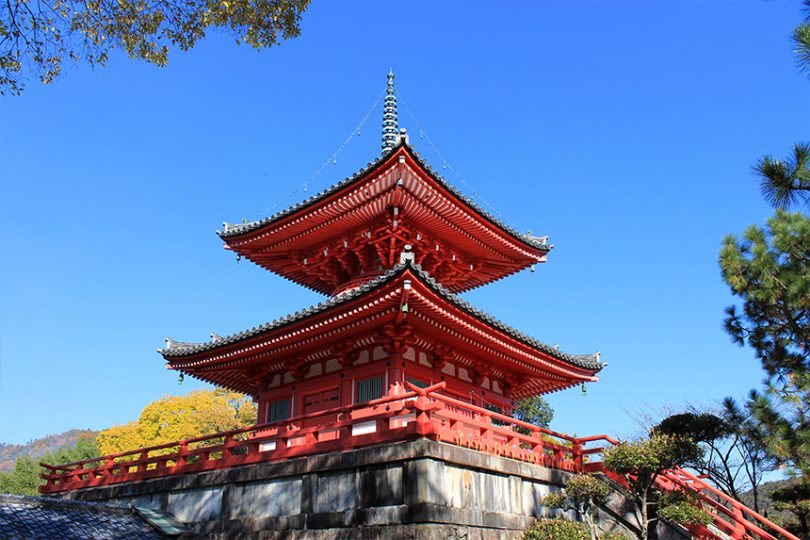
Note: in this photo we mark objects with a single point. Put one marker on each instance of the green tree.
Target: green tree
(682, 507)
(557, 529)
(24, 478)
(785, 183)
(642, 462)
(769, 269)
(801, 39)
(581, 493)
(173, 418)
(795, 498)
(534, 410)
(38, 37)
(735, 455)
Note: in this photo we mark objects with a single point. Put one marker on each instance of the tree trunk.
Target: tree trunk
(587, 513)
(644, 523)
(756, 498)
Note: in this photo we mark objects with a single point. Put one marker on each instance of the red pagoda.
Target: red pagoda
(393, 383)
(391, 246)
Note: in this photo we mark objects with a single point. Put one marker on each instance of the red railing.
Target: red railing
(419, 412)
(732, 519)
(415, 413)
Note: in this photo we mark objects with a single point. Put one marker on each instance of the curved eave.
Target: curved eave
(239, 232)
(182, 352)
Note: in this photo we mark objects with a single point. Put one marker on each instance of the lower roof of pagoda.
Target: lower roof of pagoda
(400, 308)
(358, 227)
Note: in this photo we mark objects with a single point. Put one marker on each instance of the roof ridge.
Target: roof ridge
(231, 229)
(587, 361)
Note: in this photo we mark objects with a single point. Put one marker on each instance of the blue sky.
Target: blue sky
(624, 130)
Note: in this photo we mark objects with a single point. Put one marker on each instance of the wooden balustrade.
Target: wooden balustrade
(732, 519)
(415, 413)
(419, 412)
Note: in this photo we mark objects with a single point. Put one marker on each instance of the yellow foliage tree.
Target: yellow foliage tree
(173, 418)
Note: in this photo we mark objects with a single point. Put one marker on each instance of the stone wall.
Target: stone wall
(420, 489)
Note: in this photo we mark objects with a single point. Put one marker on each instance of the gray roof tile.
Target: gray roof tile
(56, 519)
(231, 230)
(179, 349)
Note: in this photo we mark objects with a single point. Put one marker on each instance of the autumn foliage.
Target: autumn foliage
(174, 418)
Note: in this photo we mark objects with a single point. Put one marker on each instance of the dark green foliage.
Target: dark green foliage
(795, 498)
(534, 410)
(770, 271)
(700, 427)
(586, 489)
(734, 451)
(801, 39)
(25, 479)
(557, 529)
(581, 493)
(684, 508)
(643, 461)
(785, 183)
(38, 37)
(615, 536)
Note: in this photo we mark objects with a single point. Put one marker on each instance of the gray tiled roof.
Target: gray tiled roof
(56, 519)
(180, 349)
(242, 228)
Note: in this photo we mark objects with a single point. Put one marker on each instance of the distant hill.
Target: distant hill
(765, 503)
(10, 452)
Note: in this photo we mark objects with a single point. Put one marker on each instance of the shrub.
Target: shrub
(683, 508)
(558, 529)
(581, 493)
(615, 536)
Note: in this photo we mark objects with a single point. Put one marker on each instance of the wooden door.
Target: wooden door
(320, 401)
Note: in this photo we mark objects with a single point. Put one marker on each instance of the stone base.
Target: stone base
(415, 490)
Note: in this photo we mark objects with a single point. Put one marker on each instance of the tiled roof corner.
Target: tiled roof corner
(231, 230)
(179, 349)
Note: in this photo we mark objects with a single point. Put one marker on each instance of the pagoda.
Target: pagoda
(391, 247)
(383, 412)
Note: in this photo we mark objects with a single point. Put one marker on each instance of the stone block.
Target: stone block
(195, 505)
(380, 486)
(265, 499)
(336, 491)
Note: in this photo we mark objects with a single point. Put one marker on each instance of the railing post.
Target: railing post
(423, 425)
(182, 458)
(344, 431)
(143, 457)
(576, 452)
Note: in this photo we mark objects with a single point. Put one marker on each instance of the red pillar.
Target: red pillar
(396, 373)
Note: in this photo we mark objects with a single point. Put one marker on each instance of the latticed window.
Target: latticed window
(279, 410)
(418, 383)
(368, 389)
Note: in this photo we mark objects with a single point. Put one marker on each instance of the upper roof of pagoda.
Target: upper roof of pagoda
(358, 228)
(433, 317)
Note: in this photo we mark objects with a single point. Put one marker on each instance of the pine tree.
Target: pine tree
(769, 269)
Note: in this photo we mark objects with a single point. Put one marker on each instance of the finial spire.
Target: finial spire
(390, 126)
